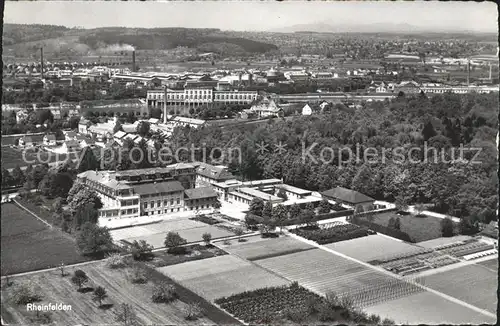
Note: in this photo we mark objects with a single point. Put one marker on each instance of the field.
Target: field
(443, 241)
(221, 276)
(323, 272)
(28, 244)
(256, 247)
(491, 264)
(12, 157)
(473, 284)
(418, 228)
(373, 247)
(429, 309)
(155, 234)
(84, 311)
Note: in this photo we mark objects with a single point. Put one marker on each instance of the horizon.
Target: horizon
(448, 17)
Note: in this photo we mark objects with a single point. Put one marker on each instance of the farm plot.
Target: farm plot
(256, 247)
(221, 276)
(28, 244)
(429, 309)
(492, 264)
(473, 284)
(443, 241)
(373, 247)
(84, 311)
(331, 232)
(324, 272)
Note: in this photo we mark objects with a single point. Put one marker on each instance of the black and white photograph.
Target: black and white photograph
(249, 163)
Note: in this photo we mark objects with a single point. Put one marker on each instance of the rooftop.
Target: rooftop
(157, 188)
(294, 190)
(198, 193)
(213, 172)
(254, 193)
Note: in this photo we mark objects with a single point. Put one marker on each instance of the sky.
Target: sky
(253, 15)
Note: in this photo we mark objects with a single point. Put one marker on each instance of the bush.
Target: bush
(332, 234)
(296, 315)
(41, 319)
(192, 311)
(137, 275)
(25, 293)
(115, 261)
(447, 227)
(141, 250)
(164, 293)
(205, 219)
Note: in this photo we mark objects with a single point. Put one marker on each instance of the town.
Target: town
(297, 175)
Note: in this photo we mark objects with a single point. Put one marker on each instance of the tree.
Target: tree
(428, 131)
(82, 198)
(467, 226)
(143, 128)
(61, 268)
(279, 215)
(267, 211)
(397, 223)
(324, 207)
(141, 250)
(447, 227)
(99, 295)
(79, 278)
(217, 205)
(207, 237)
(94, 240)
(6, 178)
(256, 206)
(401, 204)
(173, 241)
(294, 211)
(18, 178)
(126, 315)
(419, 208)
(87, 161)
(117, 127)
(306, 217)
(192, 311)
(164, 293)
(282, 194)
(239, 232)
(251, 220)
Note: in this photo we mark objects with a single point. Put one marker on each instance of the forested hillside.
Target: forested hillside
(402, 127)
(140, 38)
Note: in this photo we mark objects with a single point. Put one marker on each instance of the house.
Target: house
(70, 146)
(266, 108)
(83, 126)
(324, 105)
(26, 141)
(49, 140)
(207, 174)
(87, 142)
(381, 88)
(309, 109)
(70, 135)
(21, 116)
(349, 197)
(408, 87)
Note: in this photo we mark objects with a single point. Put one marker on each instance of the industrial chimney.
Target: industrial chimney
(133, 61)
(41, 62)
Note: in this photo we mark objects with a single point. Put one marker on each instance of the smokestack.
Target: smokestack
(468, 72)
(41, 62)
(165, 107)
(133, 61)
(490, 71)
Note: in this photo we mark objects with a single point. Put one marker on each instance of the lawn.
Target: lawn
(194, 252)
(474, 284)
(428, 309)
(12, 157)
(323, 272)
(28, 244)
(256, 247)
(222, 276)
(373, 247)
(491, 264)
(418, 228)
(155, 233)
(56, 289)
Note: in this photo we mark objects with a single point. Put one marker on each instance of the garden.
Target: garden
(193, 252)
(331, 232)
(293, 304)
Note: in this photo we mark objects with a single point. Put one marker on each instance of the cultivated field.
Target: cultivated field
(155, 234)
(373, 247)
(324, 272)
(256, 247)
(28, 244)
(418, 228)
(428, 308)
(84, 311)
(221, 276)
(491, 264)
(473, 284)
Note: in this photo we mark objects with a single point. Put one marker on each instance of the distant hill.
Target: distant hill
(121, 38)
(392, 28)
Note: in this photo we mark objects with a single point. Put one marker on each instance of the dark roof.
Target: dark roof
(51, 137)
(157, 188)
(198, 193)
(213, 172)
(347, 195)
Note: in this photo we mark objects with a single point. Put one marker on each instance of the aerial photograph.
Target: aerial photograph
(249, 163)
